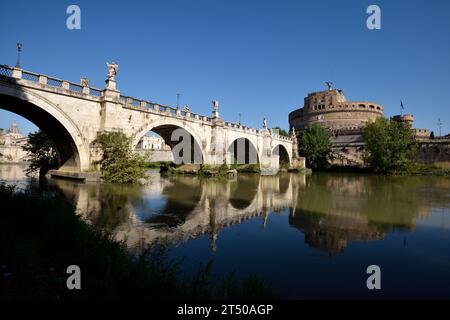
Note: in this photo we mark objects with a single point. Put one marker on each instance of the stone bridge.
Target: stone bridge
(74, 115)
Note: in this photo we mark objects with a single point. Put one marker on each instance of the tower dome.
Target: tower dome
(14, 128)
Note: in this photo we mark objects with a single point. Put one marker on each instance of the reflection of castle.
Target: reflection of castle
(332, 233)
(11, 144)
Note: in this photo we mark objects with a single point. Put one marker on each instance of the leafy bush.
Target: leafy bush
(41, 153)
(390, 145)
(119, 164)
(315, 146)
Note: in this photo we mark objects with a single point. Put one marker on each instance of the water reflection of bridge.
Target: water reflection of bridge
(330, 211)
(192, 207)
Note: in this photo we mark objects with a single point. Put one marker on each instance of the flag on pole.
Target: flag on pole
(401, 105)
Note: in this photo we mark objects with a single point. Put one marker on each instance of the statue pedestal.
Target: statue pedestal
(111, 84)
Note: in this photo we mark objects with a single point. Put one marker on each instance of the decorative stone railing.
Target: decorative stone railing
(48, 81)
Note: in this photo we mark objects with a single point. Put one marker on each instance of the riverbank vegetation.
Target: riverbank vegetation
(390, 146)
(119, 164)
(391, 149)
(163, 166)
(44, 236)
(315, 146)
(42, 154)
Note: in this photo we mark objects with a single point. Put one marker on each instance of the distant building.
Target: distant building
(159, 150)
(152, 143)
(409, 119)
(11, 144)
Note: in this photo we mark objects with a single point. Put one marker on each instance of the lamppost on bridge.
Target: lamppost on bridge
(440, 126)
(19, 49)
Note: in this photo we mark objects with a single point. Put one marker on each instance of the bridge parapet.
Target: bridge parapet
(47, 81)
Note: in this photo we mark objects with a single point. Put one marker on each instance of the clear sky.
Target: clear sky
(258, 58)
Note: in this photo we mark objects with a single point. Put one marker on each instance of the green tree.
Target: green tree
(41, 154)
(315, 146)
(281, 132)
(390, 145)
(119, 164)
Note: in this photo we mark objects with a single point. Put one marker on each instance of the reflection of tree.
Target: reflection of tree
(115, 204)
(104, 205)
(335, 209)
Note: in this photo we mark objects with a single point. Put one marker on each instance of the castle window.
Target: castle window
(362, 105)
(372, 107)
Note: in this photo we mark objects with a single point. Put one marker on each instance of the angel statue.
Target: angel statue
(112, 70)
(265, 123)
(215, 105)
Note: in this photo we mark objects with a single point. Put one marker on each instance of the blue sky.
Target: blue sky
(258, 58)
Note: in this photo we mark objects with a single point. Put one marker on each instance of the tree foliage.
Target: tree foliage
(315, 146)
(119, 164)
(41, 153)
(281, 132)
(390, 145)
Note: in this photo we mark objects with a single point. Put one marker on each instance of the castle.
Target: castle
(344, 120)
(331, 109)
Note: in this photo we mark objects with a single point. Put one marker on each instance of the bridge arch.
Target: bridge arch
(285, 158)
(73, 151)
(243, 150)
(165, 127)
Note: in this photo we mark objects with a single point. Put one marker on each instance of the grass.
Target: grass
(410, 168)
(216, 171)
(248, 168)
(160, 164)
(42, 236)
(420, 169)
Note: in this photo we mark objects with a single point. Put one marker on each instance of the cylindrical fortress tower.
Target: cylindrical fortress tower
(331, 109)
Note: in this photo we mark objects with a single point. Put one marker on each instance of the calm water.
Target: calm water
(311, 236)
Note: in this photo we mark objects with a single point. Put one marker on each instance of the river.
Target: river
(311, 236)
